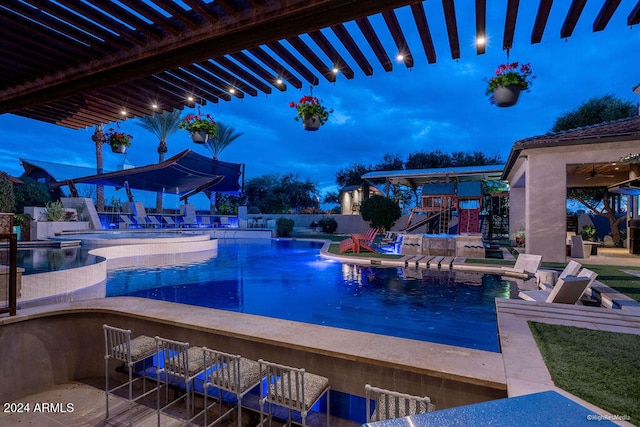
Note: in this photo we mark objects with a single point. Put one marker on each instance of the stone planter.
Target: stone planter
(199, 136)
(506, 96)
(312, 123)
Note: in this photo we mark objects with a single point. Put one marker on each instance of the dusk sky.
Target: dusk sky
(431, 106)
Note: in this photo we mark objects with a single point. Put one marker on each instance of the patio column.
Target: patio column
(546, 201)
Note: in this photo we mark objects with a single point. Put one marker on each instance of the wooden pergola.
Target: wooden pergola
(80, 63)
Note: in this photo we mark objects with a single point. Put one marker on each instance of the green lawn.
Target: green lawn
(600, 367)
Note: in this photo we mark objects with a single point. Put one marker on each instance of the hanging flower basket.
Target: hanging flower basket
(201, 127)
(311, 123)
(508, 82)
(199, 136)
(119, 141)
(311, 111)
(506, 96)
(119, 149)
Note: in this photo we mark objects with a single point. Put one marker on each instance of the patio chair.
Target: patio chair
(571, 269)
(224, 222)
(143, 221)
(526, 263)
(205, 222)
(152, 220)
(391, 404)
(118, 345)
(291, 388)
(228, 372)
(359, 241)
(566, 291)
(169, 220)
(177, 363)
(127, 221)
(578, 249)
(189, 221)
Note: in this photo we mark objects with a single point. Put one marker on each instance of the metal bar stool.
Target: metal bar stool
(391, 404)
(177, 361)
(228, 372)
(291, 388)
(119, 346)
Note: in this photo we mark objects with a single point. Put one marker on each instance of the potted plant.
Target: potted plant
(119, 141)
(201, 127)
(508, 82)
(311, 111)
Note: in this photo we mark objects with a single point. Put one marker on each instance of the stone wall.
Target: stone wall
(6, 223)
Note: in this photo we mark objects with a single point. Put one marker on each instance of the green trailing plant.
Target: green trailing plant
(381, 212)
(329, 225)
(54, 211)
(284, 227)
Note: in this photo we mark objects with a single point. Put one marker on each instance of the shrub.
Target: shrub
(329, 225)
(54, 211)
(284, 227)
(381, 212)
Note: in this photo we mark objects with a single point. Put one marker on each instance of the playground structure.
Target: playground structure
(440, 200)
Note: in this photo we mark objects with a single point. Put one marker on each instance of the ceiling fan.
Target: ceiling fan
(594, 174)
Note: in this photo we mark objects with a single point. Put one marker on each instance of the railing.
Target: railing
(8, 273)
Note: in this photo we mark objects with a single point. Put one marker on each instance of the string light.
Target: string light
(232, 90)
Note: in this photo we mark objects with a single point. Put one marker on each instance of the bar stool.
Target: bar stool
(119, 346)
(177, 361)
(291, 388)
(231, 373)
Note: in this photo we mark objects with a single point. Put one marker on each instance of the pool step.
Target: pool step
(435, 262)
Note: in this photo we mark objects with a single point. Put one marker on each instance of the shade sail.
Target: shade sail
(181, 174)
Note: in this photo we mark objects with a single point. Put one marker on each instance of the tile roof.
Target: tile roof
(617, 128)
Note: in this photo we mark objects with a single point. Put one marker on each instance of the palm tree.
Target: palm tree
(225, 135)
(99, 139)
(162, 125)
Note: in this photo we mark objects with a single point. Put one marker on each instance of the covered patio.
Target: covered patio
(541, 168)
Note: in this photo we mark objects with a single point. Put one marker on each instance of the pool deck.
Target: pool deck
(519, 367)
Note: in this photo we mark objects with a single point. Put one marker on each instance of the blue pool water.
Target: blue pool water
(288, 280)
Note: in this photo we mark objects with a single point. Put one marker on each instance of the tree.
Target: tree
(352, 175)
(381, 212)
(162, 125)
(225, 135)
(593, 111)
(594, 197)
(424, 160)
(31, 193)
(281, 193)
(99, 139)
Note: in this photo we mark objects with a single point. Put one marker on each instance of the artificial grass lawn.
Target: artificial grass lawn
(600, 367)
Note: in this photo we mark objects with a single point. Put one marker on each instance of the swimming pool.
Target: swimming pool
(287, 279)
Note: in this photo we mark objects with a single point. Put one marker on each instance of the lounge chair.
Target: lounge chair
(566, 291)
(571, 269)
(526, 263)
(359, 241)
(127, 221)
